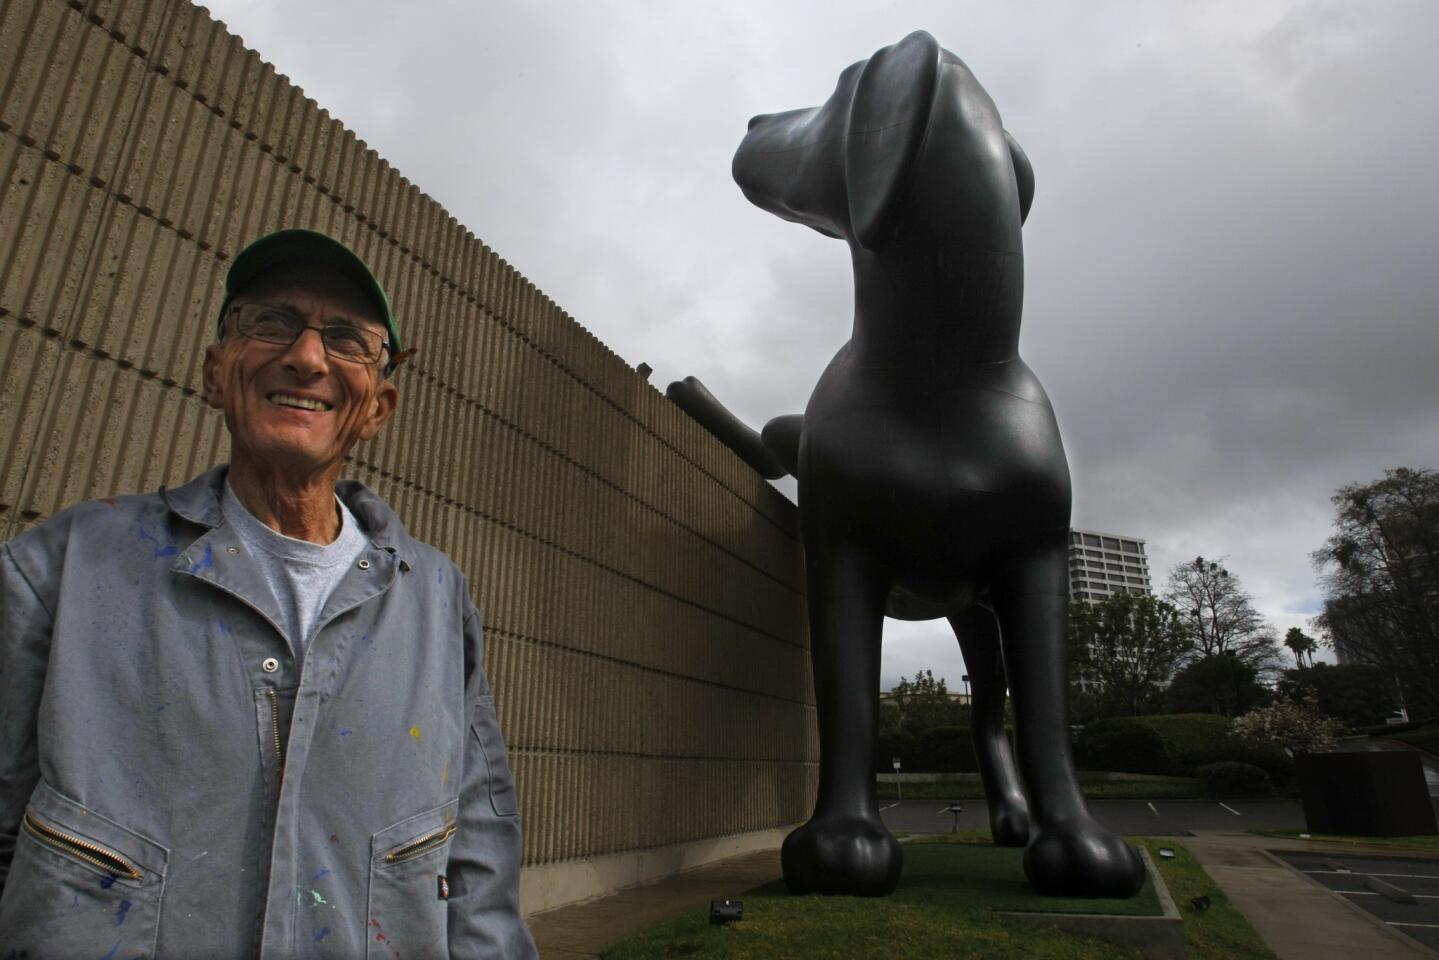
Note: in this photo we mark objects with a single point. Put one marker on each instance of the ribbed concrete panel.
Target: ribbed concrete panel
(642, 589)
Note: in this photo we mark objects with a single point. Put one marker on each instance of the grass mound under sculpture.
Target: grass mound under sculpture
(950, 904)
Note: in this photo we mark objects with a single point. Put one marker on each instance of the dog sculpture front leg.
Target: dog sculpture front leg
(845, 847)
(1069, 853)
(978, 636)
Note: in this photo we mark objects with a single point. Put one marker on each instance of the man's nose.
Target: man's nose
(307, 354)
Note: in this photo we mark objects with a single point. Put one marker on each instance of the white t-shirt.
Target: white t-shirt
(301, 574)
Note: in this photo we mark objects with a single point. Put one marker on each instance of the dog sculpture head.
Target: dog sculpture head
(909, 145)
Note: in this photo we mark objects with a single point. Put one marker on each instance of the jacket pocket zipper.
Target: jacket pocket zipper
(97, 856)
(422, 845)
(275, 725)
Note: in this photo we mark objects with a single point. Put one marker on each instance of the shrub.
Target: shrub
(1273, 761)
(897, 744)
(947, 750)
(1193, 739)
(1230, 778)
(1122, 744)
(1177, 744)
(1356, 694)
(1288, 726)
(937, 750)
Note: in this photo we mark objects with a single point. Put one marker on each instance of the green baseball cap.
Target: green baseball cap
(285, 246)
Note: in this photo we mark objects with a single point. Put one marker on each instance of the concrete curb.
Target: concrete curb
(1159, 938)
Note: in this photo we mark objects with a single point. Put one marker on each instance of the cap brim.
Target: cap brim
(286, 246)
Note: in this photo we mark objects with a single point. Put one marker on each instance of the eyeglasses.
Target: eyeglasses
(343, 341)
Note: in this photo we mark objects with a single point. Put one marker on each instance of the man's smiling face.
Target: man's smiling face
(295, 409)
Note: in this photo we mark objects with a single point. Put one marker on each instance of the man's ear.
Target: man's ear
(887, 123)
(1023, 176)
(210, 376)
(382, 407)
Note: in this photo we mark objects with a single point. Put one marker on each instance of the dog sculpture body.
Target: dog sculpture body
(932, 479)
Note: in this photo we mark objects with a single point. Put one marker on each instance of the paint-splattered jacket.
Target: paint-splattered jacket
(173, 784)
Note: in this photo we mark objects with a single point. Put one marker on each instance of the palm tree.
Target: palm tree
(1301, 645)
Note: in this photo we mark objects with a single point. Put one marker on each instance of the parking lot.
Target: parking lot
(1403, 892)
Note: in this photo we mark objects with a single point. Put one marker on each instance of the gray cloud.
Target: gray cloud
(1231, 294)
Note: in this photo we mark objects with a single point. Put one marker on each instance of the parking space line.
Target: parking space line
(1231, 809)
(1155, 809)
(1402, 876)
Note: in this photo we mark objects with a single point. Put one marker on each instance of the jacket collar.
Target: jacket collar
(199, 502)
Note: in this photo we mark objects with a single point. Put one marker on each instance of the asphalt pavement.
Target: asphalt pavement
(1158, 818)
(1401, 892)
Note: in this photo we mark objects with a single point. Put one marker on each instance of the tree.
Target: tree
(1380, 574)
(924, 703)
(1301, 645)
(1219, 616)
(1127, 646)
(1355, 694)
(1220, 684)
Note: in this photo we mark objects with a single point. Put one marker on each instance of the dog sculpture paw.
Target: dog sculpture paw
(1079, 858)
(845, 855)
(1009, 822)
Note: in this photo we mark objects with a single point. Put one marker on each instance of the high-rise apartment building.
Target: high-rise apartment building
(1103, 564)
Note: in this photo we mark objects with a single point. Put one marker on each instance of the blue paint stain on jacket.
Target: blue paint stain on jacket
(204, 563)
(161, 549)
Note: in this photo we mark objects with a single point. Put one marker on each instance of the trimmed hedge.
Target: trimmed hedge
(1230, 779)
(1173, 744)
(1124, 745)
(938, 750)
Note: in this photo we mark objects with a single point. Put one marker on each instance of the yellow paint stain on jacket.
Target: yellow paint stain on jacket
(415, 732)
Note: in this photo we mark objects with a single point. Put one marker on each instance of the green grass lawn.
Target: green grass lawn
(1219, 933)
(944, 907)
(1095, 788)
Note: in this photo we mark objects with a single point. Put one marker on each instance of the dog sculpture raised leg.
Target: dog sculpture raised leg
(932, 479)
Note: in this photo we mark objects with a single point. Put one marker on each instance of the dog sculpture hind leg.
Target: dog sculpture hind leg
(931, 472)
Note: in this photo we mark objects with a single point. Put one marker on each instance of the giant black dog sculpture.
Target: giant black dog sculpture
(932, 480)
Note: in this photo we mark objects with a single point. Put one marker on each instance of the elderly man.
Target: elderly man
(249, 715)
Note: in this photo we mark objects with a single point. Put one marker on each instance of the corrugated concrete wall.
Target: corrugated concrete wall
(642, 589)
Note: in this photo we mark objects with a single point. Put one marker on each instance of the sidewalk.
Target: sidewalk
(1300, 920)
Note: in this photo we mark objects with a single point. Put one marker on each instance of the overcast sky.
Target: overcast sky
(1232, 281)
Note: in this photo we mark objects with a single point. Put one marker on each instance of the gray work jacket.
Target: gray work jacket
(174, 784)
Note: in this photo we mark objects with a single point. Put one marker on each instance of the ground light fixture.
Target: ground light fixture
(725, 911)
(1166, 853)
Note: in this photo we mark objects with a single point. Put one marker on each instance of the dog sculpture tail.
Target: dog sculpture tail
(772, 455)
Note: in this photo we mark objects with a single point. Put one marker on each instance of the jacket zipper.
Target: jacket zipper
(423, 845)
(97, 856)
(275, 724)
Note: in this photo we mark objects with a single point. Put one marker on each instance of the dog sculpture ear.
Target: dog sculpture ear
(887, 122)
(1023, 176)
